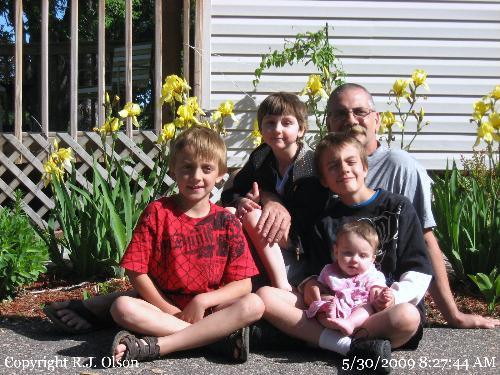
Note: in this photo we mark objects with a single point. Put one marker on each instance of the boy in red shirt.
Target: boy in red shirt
(190, 264)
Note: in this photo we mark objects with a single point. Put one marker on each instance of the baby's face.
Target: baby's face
(354, 254)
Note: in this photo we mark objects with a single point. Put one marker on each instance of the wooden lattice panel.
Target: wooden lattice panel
(21, 165)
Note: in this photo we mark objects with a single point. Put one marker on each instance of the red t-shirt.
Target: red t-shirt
(185, 256)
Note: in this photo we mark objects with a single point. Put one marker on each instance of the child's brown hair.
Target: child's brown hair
(337, 141)
(283, 104)
(361, 228)
(205, 143)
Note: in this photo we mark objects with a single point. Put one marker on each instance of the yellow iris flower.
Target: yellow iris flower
(57, 160)
(192, 102)
(255, 134)
(399, 88)
(225, 110)
(131, 110)
(419, 76)
(495, 94)
(112, 125)
(486, 132)
(387, 121)
(167, 133)
(314, 87)
(480, 109)
(174, 89)
(495, 120)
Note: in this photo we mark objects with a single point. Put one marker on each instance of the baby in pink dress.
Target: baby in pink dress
(354, 285)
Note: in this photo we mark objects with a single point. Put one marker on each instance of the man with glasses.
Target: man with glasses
(351, 107)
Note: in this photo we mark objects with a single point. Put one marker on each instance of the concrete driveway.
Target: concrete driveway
(36, 346)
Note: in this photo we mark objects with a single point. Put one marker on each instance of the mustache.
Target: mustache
(353, 131)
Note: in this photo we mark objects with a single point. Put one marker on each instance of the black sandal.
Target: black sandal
(235, 346)
(140, 349)
(79, 309)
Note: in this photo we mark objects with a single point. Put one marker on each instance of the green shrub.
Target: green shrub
(468, 220)
(22, 252)
(489, 285)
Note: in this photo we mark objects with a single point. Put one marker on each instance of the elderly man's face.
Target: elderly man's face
(353, 110)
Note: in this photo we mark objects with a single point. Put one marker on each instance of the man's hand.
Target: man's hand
(467, 321)
(312, 291)
(274, 223)
(194, 311)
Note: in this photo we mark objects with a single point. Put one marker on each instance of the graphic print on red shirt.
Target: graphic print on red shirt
(186, 256)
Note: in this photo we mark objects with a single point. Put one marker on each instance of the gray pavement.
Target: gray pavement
(37, 346)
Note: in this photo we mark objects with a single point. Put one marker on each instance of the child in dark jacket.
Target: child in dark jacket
(283, 166)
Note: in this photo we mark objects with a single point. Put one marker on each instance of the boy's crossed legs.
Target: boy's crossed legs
(175, 334)
(285, 311)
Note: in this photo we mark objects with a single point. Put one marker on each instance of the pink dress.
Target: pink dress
(349, 292)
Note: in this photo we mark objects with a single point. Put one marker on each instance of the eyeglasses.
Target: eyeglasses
(357, 112)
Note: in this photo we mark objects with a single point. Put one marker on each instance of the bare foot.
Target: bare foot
(339, 324)
(69, 317)
(119, 352)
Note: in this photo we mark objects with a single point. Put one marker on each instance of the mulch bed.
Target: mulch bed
(29, 302)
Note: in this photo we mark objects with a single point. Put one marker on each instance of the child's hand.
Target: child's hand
(384, 299)
(254, 194)
(245, 205)
(194, 310)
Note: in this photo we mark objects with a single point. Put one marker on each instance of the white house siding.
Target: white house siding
(456, 42)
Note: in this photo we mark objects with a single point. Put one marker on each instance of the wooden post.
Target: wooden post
(197, 51)
(158, 65)
(74, 71)
(45, 68)
(18, 99)
(128, 61)
(101, 63)
(201, 85)
(185, 38)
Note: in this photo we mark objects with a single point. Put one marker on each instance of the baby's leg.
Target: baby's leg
(270, 255)
(349, 324)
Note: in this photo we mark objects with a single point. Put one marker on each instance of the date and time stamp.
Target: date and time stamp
(458, 364)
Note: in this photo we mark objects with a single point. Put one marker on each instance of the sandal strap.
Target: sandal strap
(139, 350)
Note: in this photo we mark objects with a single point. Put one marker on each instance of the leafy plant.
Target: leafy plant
(468, 222)
(404, 91)
(309, 48)
(22, 253)
(97, 220)
(489, 285)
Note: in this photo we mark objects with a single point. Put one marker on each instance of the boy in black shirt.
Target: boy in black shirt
(342, 165)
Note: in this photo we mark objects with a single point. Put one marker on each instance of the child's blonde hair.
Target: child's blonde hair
(361, 228)
(283, 104)
(337, 141)
(204, 142)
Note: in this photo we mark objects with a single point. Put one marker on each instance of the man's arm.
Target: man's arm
(441, 292)
(274, 223)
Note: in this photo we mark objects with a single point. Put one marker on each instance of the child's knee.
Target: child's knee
(265, 293)
(252, 307)
(407, 318)
(122, 307)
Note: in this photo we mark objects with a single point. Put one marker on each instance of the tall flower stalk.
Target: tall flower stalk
(486, 117)
(317, 50)
(404, 92)
(97, 220)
